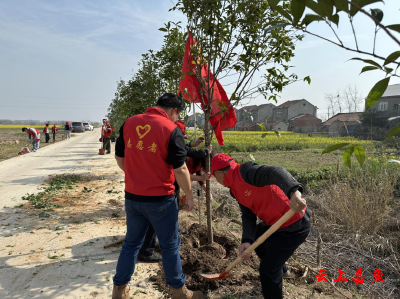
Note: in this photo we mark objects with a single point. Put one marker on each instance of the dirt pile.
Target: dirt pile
(200, 258)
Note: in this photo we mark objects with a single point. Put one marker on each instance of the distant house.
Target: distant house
(244, 114)
(262, 112)
(341, 124)
(291, 109)
(255, 114)
(199, 120)
(298, 113)
(388, 104)
(276, 126)
(304, 123)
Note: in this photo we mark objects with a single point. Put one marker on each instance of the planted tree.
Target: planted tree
(331, 13)
(234, 42)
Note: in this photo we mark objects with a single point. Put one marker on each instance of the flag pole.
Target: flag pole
(194, 112)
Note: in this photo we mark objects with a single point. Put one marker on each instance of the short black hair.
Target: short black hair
(23, 129)
(171, 100)
(47, 124)
(202, 162)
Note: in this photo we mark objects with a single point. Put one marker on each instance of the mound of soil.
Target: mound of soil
(198, 257)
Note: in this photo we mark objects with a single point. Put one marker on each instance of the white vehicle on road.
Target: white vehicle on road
(88, 126)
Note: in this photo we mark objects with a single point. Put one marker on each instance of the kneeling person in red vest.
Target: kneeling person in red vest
(266, 192)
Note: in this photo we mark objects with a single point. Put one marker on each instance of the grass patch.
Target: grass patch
(43, 200)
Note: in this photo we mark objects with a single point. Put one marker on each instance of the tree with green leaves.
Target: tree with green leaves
(373, 126)
(331, 13)
(250, 59)
(158, 73)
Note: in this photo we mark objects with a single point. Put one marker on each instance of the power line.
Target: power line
(53, 98)
(46, 103)
(54, 107)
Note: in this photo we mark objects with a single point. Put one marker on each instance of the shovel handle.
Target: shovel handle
(262, 238)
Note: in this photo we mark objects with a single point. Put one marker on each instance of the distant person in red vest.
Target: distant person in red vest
(266, 192)
(151, 151)
(34, 135)
(47, 133)
(106, 136)
(54, 131)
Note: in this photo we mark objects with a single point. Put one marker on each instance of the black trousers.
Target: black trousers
(149, 243)
(54, 136)
(47, 137)
(274, 252)
(107, 144)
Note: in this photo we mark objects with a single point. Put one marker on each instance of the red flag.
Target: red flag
(189, 87)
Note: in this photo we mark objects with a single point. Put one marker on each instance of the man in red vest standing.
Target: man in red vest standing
(34, 135)
(151, 151)
(54, 131)
(106, 136)
(266, 192)
(47, 133)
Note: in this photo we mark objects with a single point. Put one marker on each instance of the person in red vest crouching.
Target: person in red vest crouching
(151, 151)
(266, 192)
(34, 135)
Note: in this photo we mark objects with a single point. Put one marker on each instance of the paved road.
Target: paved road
(23, 174)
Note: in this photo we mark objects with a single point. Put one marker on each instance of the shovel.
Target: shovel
(257, 243)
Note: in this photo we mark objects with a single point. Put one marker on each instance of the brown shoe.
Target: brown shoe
(120, 292)
(184, 293)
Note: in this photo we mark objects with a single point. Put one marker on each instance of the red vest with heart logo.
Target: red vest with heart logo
(146, 138)
(269, 203)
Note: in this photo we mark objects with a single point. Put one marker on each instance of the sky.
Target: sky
(61, 60)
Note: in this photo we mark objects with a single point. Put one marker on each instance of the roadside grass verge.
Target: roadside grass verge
(76, 198)
(43, 200)
(355, 224)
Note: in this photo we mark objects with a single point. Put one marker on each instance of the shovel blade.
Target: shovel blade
(219, 276)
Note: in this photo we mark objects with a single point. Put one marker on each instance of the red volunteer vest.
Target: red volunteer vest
(269, 203)
(30, 132)
(107, 131)
(146, 138)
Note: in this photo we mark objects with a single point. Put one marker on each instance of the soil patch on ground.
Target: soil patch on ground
(198, 257)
